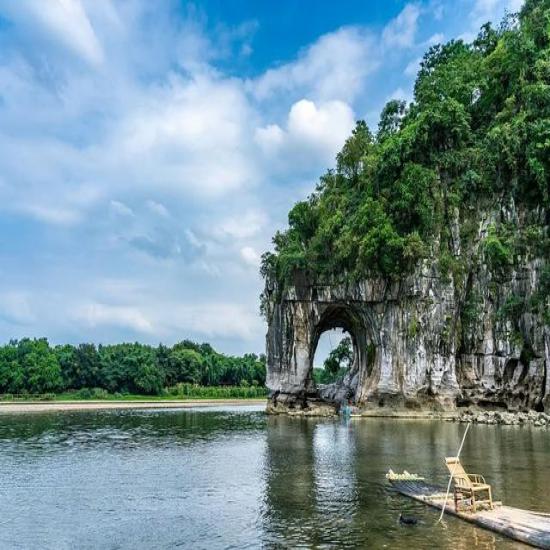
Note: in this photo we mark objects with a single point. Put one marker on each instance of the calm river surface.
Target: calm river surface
(235, 478)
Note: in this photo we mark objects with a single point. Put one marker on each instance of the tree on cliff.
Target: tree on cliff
(476, 134)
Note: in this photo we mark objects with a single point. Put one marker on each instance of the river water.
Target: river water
(235, 478)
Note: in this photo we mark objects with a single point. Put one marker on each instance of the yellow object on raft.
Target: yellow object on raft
(391, 475)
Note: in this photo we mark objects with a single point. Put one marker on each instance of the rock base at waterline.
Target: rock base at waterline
(538, 419)
(301, 408)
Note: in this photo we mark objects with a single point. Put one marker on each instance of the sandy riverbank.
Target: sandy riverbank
(28, 407)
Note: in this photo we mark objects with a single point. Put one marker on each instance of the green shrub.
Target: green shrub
(512, 308)
(47, 397)
(413, 327)
(471, 310)
(85, 393)
(99, 393)
(190, 391)
(497, 251)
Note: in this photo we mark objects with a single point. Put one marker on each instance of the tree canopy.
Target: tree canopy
(33, 366)
(478, 131)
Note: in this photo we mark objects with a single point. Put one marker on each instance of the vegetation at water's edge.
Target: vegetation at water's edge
(477, 134)
(177, 392)
(185, 370)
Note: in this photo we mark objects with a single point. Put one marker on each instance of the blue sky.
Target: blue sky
(149, 150)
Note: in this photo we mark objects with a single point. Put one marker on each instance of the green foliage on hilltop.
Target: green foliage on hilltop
(476, 134)
(35, 367)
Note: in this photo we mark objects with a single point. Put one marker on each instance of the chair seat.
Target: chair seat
(479, 486)
(473, 487)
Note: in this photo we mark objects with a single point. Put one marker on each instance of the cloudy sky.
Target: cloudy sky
(149, 150)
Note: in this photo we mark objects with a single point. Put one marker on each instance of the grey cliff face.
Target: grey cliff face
(428, 340)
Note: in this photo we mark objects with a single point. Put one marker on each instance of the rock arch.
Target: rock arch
(442, 338)
(351, 319)
(404, 352)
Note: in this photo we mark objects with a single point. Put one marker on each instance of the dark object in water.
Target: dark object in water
(407, 520)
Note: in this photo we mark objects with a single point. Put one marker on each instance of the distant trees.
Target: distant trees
(339, 360)
(29, 365)
(33, 366)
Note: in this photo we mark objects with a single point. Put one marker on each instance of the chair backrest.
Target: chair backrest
(460, 477)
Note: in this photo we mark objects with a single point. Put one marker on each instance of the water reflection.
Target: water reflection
(325, 484)
(236, 478)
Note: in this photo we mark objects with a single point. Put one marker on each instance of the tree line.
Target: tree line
(34, 366)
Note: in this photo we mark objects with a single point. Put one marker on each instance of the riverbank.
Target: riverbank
(94, 405)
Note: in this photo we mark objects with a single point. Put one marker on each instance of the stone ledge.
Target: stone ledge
(301, 409)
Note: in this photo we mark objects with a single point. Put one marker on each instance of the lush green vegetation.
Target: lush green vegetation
(337, 363)
(98, 372)
(477, 134)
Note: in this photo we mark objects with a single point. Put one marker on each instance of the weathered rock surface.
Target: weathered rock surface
(538, 419)
(301, 408)
(431, 340)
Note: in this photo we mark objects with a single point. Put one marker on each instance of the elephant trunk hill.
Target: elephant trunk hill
(429, 242)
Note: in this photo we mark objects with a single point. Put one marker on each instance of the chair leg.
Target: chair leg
(490, 499)
(473, 502)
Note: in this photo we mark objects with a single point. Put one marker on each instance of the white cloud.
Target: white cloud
(158, 208)
(241, 226)
(314, 133)
(120, 208)
(95, 314)
(436, 38)
(189, 136)
(15, 307)
(226, 320)
(45, 179)
(484, 11)
(250, 256)
(401, 31)
(51, 214)
(412, 67)
(401, 94)
(487, 10)
(270, 138)
(437, 9)
(334, 67)
(324, 126)
(66, 21)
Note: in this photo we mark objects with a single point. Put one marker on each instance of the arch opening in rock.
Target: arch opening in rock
(349, 327)
(333, 357)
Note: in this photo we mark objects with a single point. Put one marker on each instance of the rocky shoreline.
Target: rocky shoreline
(533, 418)
(475, 416)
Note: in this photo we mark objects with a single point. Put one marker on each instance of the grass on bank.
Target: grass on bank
(179, 391)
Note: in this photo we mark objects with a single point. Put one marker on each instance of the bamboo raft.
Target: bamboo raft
(526, 526)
